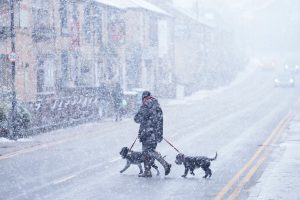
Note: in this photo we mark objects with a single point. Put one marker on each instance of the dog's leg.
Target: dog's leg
(185, 172)
(209, 172)
(192, 172)
(156, 168)
(206, 170)
(141, 168)
(126, 167)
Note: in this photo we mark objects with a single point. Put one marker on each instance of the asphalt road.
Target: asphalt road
(235, 122)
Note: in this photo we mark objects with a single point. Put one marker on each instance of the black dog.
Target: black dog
(136, 158)
(191, 163)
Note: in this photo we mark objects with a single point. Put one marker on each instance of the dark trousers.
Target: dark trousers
(150, 152)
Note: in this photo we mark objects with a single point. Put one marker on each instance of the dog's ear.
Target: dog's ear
(123, 151)
(126, 150)
(181, 156)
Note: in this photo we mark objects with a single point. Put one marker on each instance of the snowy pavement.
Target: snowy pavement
(281, 177)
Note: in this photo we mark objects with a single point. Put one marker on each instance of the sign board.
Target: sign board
(13, 57)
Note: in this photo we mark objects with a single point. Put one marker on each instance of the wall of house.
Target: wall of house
(63, 49)
(25, 80)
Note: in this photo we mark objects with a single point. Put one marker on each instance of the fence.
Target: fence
(50, 113)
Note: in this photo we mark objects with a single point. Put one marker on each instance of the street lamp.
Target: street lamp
(13, 127)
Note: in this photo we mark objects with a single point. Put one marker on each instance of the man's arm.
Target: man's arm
(138, 118)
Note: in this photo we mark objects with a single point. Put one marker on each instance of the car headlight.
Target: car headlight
(276, 80)
(297, 67)
(286, 66)
(291, 80)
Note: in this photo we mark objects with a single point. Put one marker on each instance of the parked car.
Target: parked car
(285, 79)
(292, 68)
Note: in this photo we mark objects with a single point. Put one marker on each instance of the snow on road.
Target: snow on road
(233, 121)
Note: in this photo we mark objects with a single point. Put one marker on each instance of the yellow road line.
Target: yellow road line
(231, 182)
(253, 170)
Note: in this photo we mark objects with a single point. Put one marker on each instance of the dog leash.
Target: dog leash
(133, 143)
(171, 145)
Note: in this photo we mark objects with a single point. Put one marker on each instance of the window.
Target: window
(41, 14)
(153, 32)
(41, 18)
(149, 71)
(24, 15)
(116, 28)
(92, 24)
(5, 73)
(63, 11)
(87, 25)
(46, 73)
(4, 13)
(70, 68)
(65, 66)
(75, 27)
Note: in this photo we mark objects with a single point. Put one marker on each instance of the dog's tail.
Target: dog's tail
(211, 159)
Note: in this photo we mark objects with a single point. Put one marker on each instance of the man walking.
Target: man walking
(150, 118)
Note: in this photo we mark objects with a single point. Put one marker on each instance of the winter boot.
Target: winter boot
(146, 174)
(162, 161)
(167, 169)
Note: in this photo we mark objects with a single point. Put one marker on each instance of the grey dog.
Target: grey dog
(191, 163)
(136, 158)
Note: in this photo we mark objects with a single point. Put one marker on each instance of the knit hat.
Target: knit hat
(145, 94)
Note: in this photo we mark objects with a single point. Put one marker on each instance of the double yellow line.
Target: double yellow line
(259, 156)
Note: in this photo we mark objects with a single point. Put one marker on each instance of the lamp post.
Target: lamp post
(13, 128)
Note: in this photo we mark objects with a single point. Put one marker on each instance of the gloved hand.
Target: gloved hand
(140, 137)
(159, 137)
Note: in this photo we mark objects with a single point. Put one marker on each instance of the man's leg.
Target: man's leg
(154, 154)
(147, 166)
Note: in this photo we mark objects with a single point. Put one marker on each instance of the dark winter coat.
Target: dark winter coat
(150, 118)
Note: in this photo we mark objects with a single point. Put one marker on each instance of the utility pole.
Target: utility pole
(13, 127)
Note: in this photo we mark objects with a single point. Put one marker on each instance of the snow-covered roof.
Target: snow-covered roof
(190, 15)
(126, 4)
(121, 4)
(150, 7)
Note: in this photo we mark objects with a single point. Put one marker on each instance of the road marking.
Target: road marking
(45, 145)
(253, 170)
(60, 180)
(237, 176)
(115, 159)
(63, 179)
(78, 173)
(36, 147)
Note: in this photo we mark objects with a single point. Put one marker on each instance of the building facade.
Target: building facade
(69, 45)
